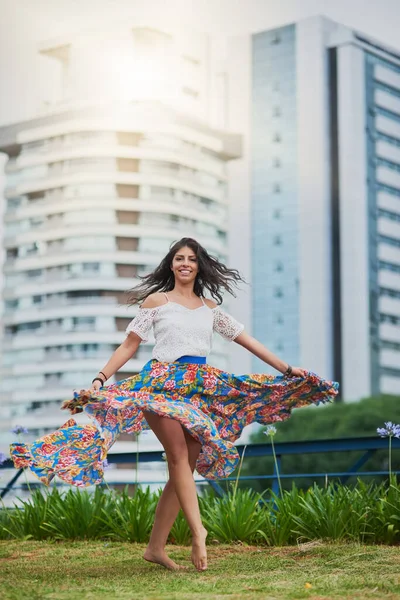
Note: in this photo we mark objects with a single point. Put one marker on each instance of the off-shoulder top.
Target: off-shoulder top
(181, 331)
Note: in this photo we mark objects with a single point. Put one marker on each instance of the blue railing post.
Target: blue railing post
(10, 484)
(216, 487)
(358, 464)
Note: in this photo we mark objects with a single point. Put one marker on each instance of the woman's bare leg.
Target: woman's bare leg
(167, 510)
(180, 491)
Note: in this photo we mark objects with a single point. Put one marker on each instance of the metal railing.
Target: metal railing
(368, 446)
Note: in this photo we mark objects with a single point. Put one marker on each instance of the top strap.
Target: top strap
(165, 294)
(201, 298)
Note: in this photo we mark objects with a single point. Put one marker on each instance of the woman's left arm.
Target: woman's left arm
(255, 347)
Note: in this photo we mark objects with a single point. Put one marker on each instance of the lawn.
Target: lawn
(109, 570)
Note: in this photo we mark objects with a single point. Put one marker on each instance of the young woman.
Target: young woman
(195, 410)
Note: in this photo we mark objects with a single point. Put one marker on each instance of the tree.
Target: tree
(337, 420)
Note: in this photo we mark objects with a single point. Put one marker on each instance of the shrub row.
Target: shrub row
(368, 513)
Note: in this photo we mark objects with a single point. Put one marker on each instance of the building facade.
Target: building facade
(325, 203)
(95, 194)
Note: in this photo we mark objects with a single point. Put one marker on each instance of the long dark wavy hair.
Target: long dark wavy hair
(212, 275)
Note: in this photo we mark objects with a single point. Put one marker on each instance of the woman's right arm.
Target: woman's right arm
(121, 356)
(137, 331)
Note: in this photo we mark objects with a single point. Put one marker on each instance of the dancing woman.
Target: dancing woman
(195, 410)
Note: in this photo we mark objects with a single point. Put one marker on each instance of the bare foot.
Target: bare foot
(160, 557)
(199, 552)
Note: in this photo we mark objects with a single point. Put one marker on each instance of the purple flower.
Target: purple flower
(271, 431)
(106, 464)
(390, 430)
(3, 458)
(18, 429)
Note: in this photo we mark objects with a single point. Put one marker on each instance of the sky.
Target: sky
(24, 23)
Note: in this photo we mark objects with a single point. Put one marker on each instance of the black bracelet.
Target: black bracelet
(288, 371)
(98, 379)
(101, 373)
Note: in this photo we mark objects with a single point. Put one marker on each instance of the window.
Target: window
(392, 319)
(277, 163)
(277, 111)
(277, 188)
(279, 319)
(277, 213)
(278, 292)
(278, 267)
(389, 345)
(12, 252)
(276, 39)
(91, 266)
(36, 222)
(391, 371)
(34, 273)
(11, 304)
(29, 326)
(37, 299)
(279, 347)
(387, 266)
(83, 320)
(277, 138)
(389, 292)
(389, 214)
(53, 377)
(277, 240)
(385, 239)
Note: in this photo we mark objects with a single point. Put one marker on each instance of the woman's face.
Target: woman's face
(184, 265)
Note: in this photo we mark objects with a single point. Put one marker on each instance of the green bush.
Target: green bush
(368, 513)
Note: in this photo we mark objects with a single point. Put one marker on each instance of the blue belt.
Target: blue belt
(198, 360)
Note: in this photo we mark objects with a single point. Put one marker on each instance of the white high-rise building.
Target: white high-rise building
(325, 202)
(133, 157)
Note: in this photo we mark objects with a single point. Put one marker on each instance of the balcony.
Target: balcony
(127, 179)
(51, 330)
(55, 356)
(83, 300)
(15, 287)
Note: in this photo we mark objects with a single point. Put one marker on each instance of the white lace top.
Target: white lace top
(181, 331)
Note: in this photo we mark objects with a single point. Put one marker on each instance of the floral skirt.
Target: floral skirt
(212, 405)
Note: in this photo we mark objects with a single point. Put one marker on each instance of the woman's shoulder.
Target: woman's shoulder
(210, 303)
(158, 299)
(154, 300)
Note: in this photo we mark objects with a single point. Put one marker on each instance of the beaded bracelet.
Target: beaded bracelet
(98, 379)
(288, 371)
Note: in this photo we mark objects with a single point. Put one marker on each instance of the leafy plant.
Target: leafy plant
(235, 516)
(180, 532)
(77, 515)
(130, 518)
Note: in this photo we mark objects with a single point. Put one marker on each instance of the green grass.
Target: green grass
(111, 570)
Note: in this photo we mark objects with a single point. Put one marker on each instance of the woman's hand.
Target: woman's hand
(297, 372)
(96, 385)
